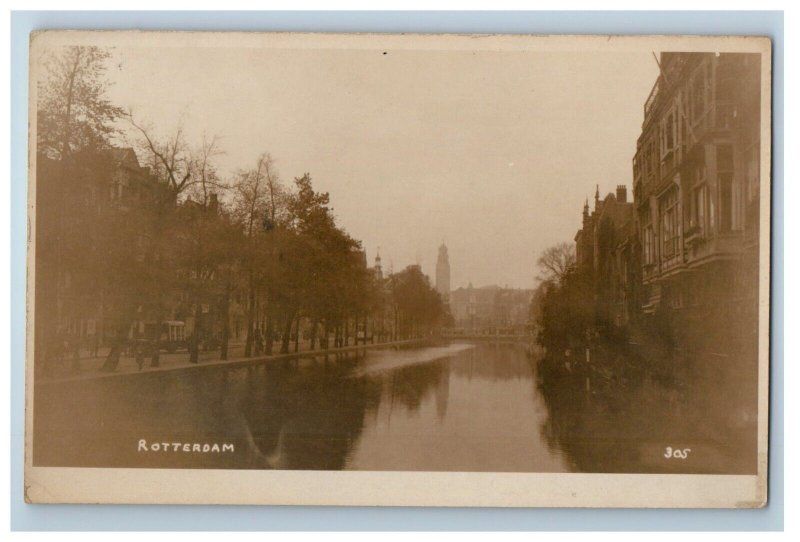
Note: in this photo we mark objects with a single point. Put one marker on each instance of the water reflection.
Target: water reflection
(602, 423)
(457, 407)
(302, 418)
(450, 408)
(474, 411)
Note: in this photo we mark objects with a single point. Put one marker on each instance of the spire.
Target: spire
(597, 197)
(378, 267)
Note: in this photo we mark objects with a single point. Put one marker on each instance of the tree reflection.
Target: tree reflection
(602, 422)
(409, 386)
(305, 418)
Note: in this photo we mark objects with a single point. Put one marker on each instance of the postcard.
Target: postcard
(398, 270)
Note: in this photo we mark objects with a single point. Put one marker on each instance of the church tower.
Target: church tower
(443, 274)
(378, 267)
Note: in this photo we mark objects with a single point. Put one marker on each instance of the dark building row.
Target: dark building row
(686, 247)
(88, 226)
(97, 239)
(490, 307)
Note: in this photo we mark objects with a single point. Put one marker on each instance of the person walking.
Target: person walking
(139, 354)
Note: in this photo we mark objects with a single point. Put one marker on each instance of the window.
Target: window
(729, 214)
(652, 165)
(670, 225)
(699, 201)
(650, 245)
(699, 213)
(700, 91)
(668, 133)
(683, 120)
(648, 240)
(646, 160)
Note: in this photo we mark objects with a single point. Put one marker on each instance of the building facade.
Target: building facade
(490, 307)
(605, 255)
(684, 254)
(92, 232)
(696, 189)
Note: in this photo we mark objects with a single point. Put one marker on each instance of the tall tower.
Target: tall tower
(443, 274)
(378, 267)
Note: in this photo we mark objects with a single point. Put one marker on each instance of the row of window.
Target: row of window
(663, 145)
(710, 208)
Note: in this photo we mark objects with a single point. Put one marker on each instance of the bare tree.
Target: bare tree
(556, 261)
(183, 171)
(170, 158)
(202, 167)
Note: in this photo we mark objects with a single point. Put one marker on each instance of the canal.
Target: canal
(456, 407)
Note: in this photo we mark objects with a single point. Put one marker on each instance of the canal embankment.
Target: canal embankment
(92, 369)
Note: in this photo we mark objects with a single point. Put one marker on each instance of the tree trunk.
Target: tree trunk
(268, 335)
(287, 334)
(248, 344)
(297, 335)
(313, 339)
(112, 359)
(194, 344)
(155, 355)
(226, 326)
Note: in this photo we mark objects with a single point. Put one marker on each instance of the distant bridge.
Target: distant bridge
(488, 337)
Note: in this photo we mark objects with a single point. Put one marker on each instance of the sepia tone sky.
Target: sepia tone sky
(492, 152)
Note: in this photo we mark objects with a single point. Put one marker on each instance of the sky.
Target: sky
(490, 152)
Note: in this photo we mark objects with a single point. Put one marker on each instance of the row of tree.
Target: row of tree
(168, 237)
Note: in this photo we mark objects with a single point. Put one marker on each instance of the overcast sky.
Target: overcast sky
(491, 152)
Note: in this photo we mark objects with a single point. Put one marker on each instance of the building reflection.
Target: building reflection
(605, 425)
(333, 415)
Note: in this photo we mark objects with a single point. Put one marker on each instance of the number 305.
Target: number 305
(670, 453)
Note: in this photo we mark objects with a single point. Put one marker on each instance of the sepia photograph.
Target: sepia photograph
(396, 269)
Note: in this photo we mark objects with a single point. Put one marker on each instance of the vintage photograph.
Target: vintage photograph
(398, 269)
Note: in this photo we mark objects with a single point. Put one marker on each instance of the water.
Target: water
(459, 407)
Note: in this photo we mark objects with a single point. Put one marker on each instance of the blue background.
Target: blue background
(193, 518)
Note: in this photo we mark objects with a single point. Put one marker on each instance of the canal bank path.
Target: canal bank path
(91, 368)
